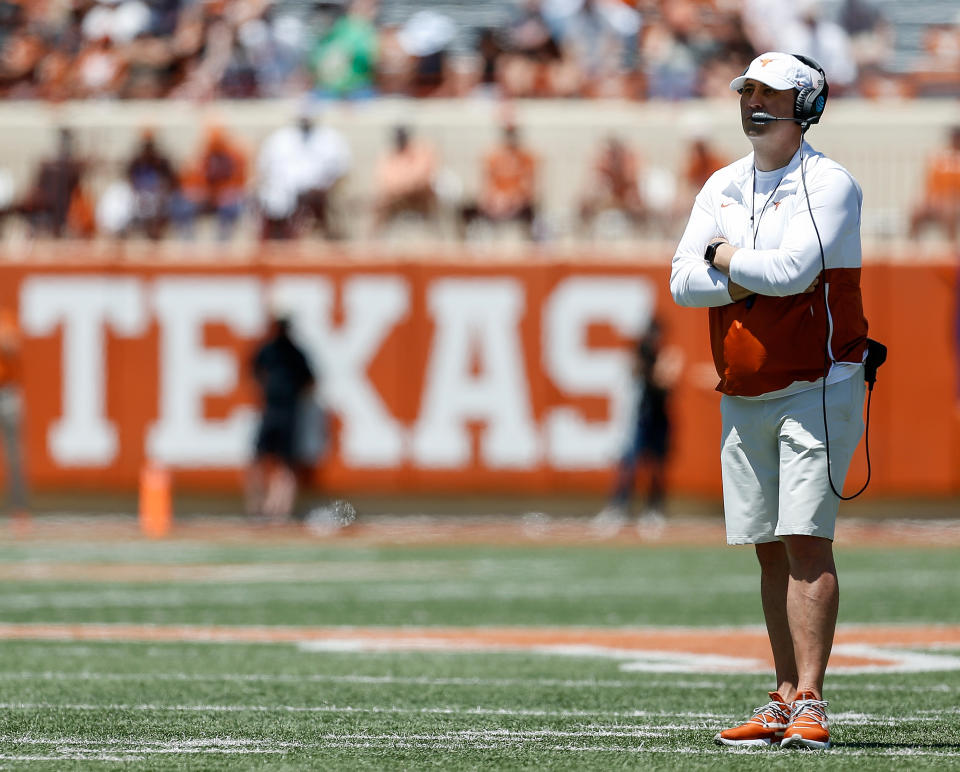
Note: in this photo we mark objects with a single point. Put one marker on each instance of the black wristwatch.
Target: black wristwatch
(711, 252)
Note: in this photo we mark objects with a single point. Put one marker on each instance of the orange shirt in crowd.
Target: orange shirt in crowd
(943, 176)
(219, 174)
(510, 179)
(701, 164)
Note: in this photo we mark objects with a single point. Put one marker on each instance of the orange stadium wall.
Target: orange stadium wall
(510, 377)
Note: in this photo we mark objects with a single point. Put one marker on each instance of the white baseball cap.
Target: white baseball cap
(779, 71)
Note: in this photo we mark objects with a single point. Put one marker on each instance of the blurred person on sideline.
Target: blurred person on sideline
(753, 255)
(11, 412)
(214, 183)
(655, 370)
(57, 204)
(153, 182)
(509, 186)
(298, 170)
(343, 59)
(940, 204)
(613, 186)
(405, 180)
(285, 379)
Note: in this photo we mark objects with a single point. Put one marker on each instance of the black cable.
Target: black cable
(826, 348)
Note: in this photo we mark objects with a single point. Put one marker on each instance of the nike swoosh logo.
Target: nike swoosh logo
(723, 205)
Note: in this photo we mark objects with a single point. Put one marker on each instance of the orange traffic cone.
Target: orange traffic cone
(156, 514)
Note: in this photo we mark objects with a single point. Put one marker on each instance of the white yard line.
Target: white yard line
(553, 683)
(849, 718)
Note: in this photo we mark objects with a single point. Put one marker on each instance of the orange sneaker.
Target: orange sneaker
(808, 727)
(765, 727)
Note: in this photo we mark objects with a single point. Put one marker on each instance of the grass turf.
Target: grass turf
(94, 705)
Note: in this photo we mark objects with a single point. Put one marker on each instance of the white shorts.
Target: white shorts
(774, 461)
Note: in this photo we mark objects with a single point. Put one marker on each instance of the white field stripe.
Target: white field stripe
(849, 718)
(552, 683)
(458, 740)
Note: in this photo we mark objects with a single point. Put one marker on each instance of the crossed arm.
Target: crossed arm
(792, 268)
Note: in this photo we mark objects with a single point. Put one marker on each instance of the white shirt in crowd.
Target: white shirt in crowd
(293, 161)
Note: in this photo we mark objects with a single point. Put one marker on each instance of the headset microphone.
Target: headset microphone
(767, 118)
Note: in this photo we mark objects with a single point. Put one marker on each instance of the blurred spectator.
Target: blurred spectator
(425, 39)
(532, 64)
(214, 183)
(22, 51)
(941, 197)
(298, 169)
(405, 180)
(509, 185)
(613, 186)
(812, 34)
(674, 48)
(344, 58)
(655, 370)
(56, 203)
(284, 378)
(700, 162)
(937, 73)
(871, 34)
(764, 21)
(153, 183)
(600, 37)
(275, 44)
(490, 53)
(11, 411)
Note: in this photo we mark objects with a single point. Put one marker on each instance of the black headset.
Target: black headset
(811, 100)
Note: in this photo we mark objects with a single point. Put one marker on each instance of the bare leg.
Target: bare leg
(774, 583)
(813, 598)
(255, 484)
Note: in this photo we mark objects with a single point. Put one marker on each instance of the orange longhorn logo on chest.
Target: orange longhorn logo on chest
(776, 204)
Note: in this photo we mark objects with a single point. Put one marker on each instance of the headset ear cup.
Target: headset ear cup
(800, 107)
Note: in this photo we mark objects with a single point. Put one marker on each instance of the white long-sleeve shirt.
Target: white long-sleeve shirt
(773, 343)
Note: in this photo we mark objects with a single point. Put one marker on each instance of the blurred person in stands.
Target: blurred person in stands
(699, 163)
(343, 59)
(56, 203)
(655, 370)
(940, 205)
(11, 411)
(405, 180)
(532, 59)
(870, 32)
(153, 183)
(22, 49)
(613, 186)
(937, 71)
(284, 378)
(298, 170)
(425, 38)
(601, 38)
(812, 34)
(509, 186)
(673, 50)
(214, 183)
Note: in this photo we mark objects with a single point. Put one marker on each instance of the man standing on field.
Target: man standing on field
(772, 248)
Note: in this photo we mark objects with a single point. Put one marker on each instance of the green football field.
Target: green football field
(338, 653)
